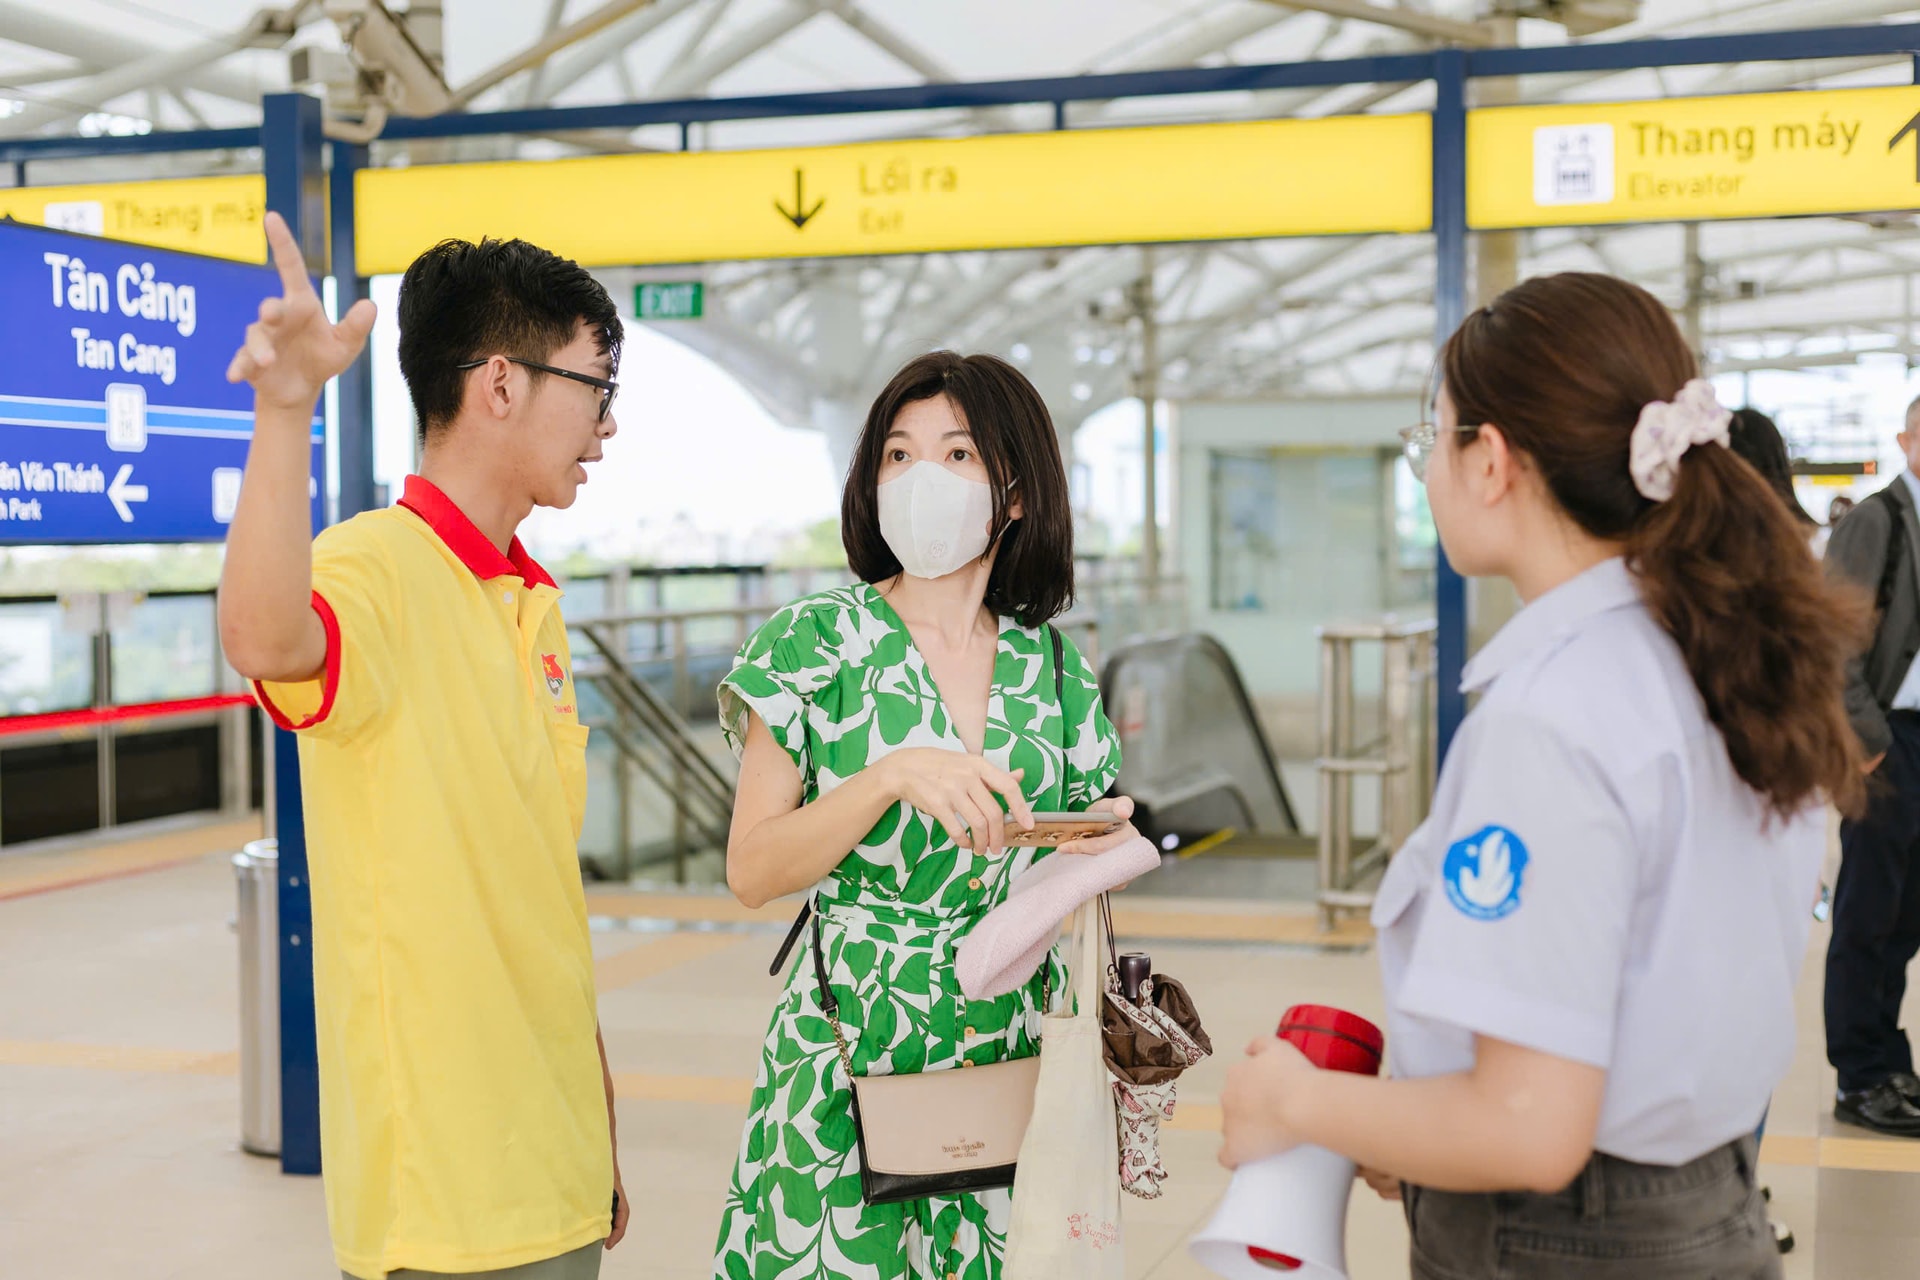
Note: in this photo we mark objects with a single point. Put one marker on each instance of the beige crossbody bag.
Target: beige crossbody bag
(938, 1133)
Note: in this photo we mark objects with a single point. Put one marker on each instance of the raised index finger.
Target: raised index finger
(287, 258)
(1009, 786)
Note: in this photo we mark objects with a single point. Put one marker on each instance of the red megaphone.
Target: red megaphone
(1288, 1213)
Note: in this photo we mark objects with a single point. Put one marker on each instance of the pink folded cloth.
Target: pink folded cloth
(1005, 949)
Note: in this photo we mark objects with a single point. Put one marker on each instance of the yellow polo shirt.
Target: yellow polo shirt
(463, 1118)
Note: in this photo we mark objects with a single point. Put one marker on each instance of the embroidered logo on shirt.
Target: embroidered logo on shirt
(1483, 874)
(556, 676)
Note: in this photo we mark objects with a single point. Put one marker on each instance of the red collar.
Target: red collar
(466, 541)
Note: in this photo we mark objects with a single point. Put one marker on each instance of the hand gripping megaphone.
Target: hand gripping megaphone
(1287, 1215)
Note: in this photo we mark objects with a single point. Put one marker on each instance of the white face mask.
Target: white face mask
(934, 521)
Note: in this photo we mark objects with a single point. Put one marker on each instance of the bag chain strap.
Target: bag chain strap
(831, 1006)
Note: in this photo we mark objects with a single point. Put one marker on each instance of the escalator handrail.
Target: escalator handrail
(1235, 686)
(718, 801)
(666, 723)
(715, 832)
(634, 697)
(704, 812)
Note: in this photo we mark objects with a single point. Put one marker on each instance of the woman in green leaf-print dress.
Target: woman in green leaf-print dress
(882, 728)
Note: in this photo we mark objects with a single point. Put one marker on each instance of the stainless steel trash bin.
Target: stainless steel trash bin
(257, 870)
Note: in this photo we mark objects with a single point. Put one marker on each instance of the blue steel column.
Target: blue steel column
(292, 145)
(1450, 307)
(355, 420)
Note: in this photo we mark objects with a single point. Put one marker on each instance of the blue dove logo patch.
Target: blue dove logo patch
(1483, 874)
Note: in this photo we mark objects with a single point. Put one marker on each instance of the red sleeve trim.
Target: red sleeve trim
(330, 685)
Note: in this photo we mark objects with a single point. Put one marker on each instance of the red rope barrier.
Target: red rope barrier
(92, 717)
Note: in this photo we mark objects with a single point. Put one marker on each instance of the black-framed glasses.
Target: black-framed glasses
(608, 389)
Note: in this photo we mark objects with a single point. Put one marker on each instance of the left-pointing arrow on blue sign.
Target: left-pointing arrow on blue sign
(120, 493)
(117, 422)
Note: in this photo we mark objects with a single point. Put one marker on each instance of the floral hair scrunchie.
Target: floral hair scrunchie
(1667, 429)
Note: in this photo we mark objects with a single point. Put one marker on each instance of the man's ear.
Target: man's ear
(496, 387)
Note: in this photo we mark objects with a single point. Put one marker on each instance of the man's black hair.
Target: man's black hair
(461, 301)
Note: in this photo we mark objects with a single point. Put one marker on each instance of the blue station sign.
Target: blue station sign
(117, 422)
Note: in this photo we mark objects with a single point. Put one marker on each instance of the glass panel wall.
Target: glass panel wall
(44, 665)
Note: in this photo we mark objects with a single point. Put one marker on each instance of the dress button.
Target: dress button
(971, 1033)
(974, 883)
(507, 596)
(966, 1062)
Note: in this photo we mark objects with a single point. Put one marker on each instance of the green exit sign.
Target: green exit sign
(683, 301)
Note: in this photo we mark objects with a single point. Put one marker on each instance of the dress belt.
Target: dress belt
(863, 913)
(845, 913)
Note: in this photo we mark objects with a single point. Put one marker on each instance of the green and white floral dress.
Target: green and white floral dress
(838, 681)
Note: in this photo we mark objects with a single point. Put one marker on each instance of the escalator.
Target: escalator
(658, 741)
(1196, 760)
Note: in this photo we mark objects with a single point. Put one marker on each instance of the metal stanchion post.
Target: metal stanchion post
(256, 871)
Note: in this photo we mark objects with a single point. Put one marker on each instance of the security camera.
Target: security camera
(395, 66)
(312, 67)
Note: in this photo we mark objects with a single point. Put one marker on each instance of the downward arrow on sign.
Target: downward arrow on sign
(120, 493)
(800, 215)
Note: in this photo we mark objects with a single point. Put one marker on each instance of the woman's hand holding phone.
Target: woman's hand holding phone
(1120, 807)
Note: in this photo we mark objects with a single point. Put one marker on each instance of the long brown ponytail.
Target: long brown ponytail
(1564, 364)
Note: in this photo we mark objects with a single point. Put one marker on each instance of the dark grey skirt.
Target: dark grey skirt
(1618, 1221)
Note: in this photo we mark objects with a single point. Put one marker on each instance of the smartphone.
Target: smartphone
(1050, 829)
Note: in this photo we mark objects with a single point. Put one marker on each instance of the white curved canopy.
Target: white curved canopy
(1279, 317)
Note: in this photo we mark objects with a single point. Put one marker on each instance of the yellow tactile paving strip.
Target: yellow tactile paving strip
(1873, 1155)
(656, 956)
(717, 1090)
(25, 874)
(686, 908)
(1155, 923)
(100, 1057)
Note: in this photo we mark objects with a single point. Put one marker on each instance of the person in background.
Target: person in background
(1753, 436)
(1876, 899)
(466, 1111)
(1590, 949)
(1836, 512)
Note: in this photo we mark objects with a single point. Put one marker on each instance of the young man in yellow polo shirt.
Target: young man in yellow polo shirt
(466, 1111)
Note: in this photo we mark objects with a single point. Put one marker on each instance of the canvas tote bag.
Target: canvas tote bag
(1066, 1196)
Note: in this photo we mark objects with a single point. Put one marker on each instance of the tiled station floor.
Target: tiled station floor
(119, 1079)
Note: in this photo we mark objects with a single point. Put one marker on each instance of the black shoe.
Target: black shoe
(1908, 1084)
(1883, 1109)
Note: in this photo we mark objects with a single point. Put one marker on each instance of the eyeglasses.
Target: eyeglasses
(1419, 442)
(608, 389)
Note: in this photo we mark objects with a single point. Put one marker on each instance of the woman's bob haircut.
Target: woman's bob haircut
(1032, 579)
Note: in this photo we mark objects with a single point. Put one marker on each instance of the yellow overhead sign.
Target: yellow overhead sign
(1686, 159)
(216, 216)
(1094, 186)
